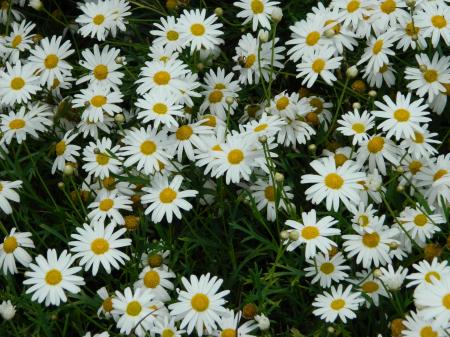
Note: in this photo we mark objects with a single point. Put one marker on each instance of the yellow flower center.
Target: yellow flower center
(17, 83)
(151, 279)
(439, 174)
(261, 127)
(16, 41)
(370, 287)
(310, 232)
(353, 6)
(418, 137)
(167, 195)
(384, 68)
(220, 86)
(414, 166)
(316, 103)
(148, 147)
(228, 333)
(200, 302)
(318, 65)
(340, 159)
(53, 277)
(411, 29)
(334, 181)
(363, 220)
(216, 148)
(371, 240)
(388, 6)
(107, 304)
(312, 38)
(100, 72)
(161, 77)
(99, 246)
(184, 132)
(250, 60)
(60, 148)
(427, 331)
(109, 183)
(269, 193)
(376, 144)
(160, 108)
(215, 96)
(439, 21)
(98, 19)
(401, 115)
(167, 333)
(106, 204)
(98, 101)
(327, 268)
(377, 46)
(134, 308)
(102, 159)
(336, 27)
(210, 121)
(282, 103)
(430, 75)
(16, 124)
(172, 35)
(235, 156)
(446, 301)
(197, 29)
(431, 274)
(358, 127)
(257, 6)
(51, 61)
(10, 244)
(420, 220)
(337, 304)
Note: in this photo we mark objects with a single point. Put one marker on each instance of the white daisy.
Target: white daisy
(159, 109)
(101, 158)
(256, 11)
(8, 193)
(108, 204)
(371, 287)
(96, 20)
(12, 249)
(356, 125)
(421, 145)
(434, 21)
(415, 325)
(319, 62)
(65, 151)
(17, 84)
(168, 34)
(157, 281)
(426, 273)
(377, 52)
(326, 269)
(377, 150)
(434, 300)
(228, 326)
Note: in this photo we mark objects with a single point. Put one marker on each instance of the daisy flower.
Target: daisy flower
(90, 128)
(393, 279)
(370, 247)
(98, 245)
(334, 184)
(108, 204)
(326, 269)
(314, 234)
(19, 40)
(167, 34)
(435, 179)
(21, 123)
(434, 20)
(352, 11)
(228, 325)
(48, 60)
(65, 151)
(355, 124)
(370, 286)
(159, 108)
(102, 66)
(256, 11)
(268, 126)
(337, 303)
(146, 148)
(419, 224)
(416, 325)
(421, 145)
(17, 84)
(426, 273)
(318, 63)
(218, 86)
(106, 307)
(403, 116)
(96, 20)
(166, 327)
(134, 311)
(120, 10)
(166, 199)
(101, 158)
(377, 150)
(157, 281)
(429, 81)
(377, 52)
(434, 300)
(384, 74)
(198, 31)
(8, 193)
(50, 277)
(288, 105)
(12, 249)
(200, 304)
(235, 159)
(264, 193)
(363, 215)
(97, 100)
(162, 78)
(386, 13)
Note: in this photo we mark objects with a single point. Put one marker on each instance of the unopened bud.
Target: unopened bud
(294, 235)
(200, 66)
(312, 147)
(277, 14)
(372, 93)
(352, 72)
(329, 33)
(218, 11)
(377, 273)
(400, 188)
(284, 235)
(119, 118)
(279, 177)
(120, 59)
(229, 100)
(61, 185)
(68, 170)
(262, 139)
(400, 169)
(330, 329)
(356, 105)
(263, 36)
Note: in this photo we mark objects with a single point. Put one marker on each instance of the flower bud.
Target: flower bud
(119, 118)
(284, 235)
(36, 4)
(218, 11)
(279, 177)
(68, 170)
(277, 14)
(312, 147)
(377, 273)
(263, 322)
(352, 72)
(372, 93)
(263, 36)
(356, 105)
(229, 100)
(294, 235)
(249, 311)
(262, 139)
(7, 310)
(329, 33)
(61, 185)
